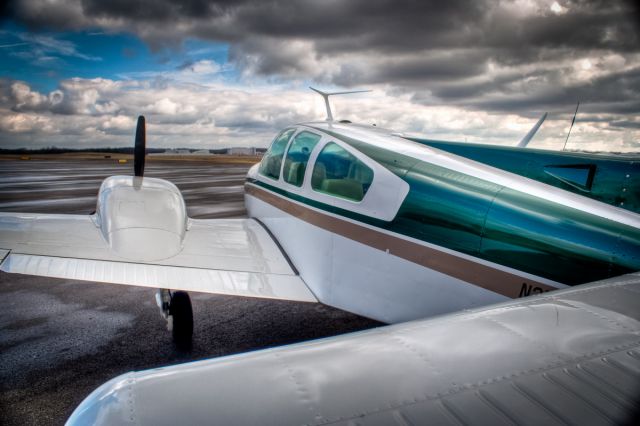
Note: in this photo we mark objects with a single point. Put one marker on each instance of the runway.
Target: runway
(210, 190)
(60, 339)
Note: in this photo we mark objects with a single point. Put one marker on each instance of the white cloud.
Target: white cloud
(25, 97)
(43, 46)
(204, 72)
(164, 106)
(204, 67)
(13, 123)
(118, 122)
(102, 112)
(557, 8)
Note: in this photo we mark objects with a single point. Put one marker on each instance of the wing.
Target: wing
(225, 256)
(568, 357)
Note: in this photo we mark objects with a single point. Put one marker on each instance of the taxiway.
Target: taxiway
(60, 339)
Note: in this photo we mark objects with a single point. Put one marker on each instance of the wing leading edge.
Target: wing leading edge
(224, 256)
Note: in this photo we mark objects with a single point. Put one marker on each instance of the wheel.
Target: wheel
(182, 314)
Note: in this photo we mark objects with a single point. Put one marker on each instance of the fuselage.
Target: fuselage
(396, 230)
(611, 178)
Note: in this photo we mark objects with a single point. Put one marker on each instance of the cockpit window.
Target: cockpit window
(272, 159)
(295, 163)
(337, 172)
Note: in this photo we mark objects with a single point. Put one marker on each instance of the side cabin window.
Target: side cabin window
(272, 159)
(295, 163)
(337, 172)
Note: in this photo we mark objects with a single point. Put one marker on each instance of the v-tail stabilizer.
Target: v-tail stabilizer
(527, 138)
(325, 96)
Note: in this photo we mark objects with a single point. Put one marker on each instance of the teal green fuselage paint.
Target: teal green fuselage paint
(610, 178)
(497, 224)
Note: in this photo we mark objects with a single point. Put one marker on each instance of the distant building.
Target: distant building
(241, 151)
(177, 151)
(220, 151)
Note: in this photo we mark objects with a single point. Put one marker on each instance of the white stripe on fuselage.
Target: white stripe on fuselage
(482, 171)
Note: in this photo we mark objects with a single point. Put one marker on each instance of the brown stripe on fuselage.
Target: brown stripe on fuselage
(484, 276)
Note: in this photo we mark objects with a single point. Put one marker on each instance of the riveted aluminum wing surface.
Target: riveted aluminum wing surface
(567, 357)
(225, 256)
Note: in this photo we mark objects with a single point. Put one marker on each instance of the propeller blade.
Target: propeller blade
(139, 149)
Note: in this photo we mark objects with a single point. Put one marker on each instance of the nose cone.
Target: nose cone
(110, 404)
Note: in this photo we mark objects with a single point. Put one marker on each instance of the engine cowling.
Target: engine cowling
(141, 218)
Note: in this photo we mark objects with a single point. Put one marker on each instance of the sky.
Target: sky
(213, 74)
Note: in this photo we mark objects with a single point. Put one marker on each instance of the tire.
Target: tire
(180, 310)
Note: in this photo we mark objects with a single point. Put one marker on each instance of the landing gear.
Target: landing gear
(176, 309)
(182, 314)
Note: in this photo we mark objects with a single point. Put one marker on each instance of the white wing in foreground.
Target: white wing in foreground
(568, 357)
(141, 236)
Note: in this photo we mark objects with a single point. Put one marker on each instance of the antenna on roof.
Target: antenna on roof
(527, 138)
(326, 95)
(572, 121)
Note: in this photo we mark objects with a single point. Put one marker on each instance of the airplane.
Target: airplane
(337, 213)
(352, 216)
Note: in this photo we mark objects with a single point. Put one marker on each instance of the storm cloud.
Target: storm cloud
(451, 48)
(519, 57)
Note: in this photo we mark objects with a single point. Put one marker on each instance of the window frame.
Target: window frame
(356, 154)
(357, 157)
(312, 156)
(382, 200)
(284, 152)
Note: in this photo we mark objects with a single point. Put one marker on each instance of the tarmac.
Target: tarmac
(61, 339)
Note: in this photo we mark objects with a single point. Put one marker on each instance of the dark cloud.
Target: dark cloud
(425, 67)
(492, 55)
(626, 124)
(615, 93)
(269, 57)
(583, 26)
(148, 10)
(339, 26)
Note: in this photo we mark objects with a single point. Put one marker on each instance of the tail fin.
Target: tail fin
(527, 138)
(326, 95)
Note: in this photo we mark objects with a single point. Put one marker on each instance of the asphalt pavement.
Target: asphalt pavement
(60, 339)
